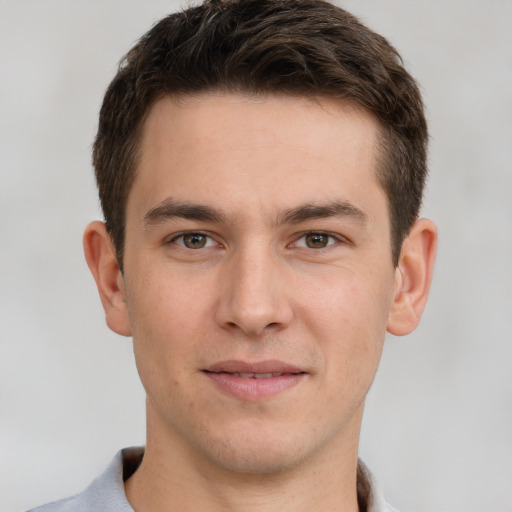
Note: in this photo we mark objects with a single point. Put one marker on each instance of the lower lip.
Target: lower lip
(254, 389)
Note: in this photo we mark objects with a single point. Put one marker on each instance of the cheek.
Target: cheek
(166, 324)
(160, 344)
(346, 301)
(348, 318)
(165, 301)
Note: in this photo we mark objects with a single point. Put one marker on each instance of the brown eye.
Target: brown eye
(317, 240)
(194, 240)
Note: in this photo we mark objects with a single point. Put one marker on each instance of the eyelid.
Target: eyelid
(176, 236)
(336, 236)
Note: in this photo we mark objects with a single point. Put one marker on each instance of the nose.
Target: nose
(254, 293)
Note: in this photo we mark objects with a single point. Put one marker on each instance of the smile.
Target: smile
(254, 381)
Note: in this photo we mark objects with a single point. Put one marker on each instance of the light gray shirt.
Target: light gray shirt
(106, 493)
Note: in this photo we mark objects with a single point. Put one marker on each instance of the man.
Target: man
(260, 165)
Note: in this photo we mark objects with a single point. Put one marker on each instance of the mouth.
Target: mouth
(254, 381)
(250, 375)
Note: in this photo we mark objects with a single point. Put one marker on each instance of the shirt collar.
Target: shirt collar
(126, 462)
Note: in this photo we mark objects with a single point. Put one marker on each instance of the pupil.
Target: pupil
(316, 240)
(195, 241)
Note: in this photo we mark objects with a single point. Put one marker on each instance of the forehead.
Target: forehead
(271, 150)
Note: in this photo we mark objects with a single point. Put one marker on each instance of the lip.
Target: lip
(254, 381)
(270, 366)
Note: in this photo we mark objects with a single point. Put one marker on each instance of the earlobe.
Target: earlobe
(413, 278)
(101, 259)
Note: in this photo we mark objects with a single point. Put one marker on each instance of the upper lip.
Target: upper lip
(269, 366)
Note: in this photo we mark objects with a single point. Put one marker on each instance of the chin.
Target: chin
(263, 453)
(257, 461)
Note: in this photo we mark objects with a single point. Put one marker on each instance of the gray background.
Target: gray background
(438, 428)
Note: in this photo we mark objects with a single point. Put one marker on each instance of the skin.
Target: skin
(286, 256)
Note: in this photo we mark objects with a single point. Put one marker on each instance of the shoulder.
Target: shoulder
(72, 503)
(105, 493)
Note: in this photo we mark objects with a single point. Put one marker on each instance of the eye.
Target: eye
(193, 240)
(316, 240)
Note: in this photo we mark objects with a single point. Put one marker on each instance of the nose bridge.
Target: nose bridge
(254, 296)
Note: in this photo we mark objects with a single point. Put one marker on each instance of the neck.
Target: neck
(171, 473)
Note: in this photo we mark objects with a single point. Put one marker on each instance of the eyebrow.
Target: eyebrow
(311, 211)
(170, 209)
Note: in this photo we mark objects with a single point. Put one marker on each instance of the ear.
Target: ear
(413, 277)
(101, 258)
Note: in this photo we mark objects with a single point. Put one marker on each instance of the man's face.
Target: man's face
(258, 276)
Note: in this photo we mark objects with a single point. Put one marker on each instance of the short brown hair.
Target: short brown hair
(308, 48)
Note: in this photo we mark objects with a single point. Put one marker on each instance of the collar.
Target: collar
(108, 488)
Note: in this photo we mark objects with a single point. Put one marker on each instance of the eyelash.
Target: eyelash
(332, 240)
(175, 238)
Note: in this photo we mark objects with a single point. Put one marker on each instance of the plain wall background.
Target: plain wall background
(438, 427)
